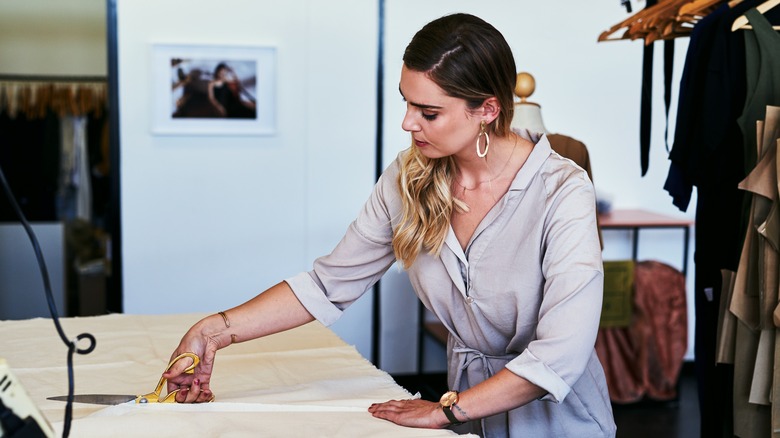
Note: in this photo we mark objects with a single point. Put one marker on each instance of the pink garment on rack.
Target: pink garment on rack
(644, 359)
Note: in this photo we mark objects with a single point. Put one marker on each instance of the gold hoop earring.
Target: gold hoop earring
(483, 131)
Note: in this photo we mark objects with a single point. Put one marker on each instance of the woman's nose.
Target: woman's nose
(409, 122)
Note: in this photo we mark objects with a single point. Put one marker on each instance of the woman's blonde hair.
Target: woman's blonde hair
(468, 59)
(427, 205)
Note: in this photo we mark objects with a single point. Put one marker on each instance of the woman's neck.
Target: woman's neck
(474, 171)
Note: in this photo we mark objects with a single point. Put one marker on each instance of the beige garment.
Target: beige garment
(775, 394)
(761, 182)
(755, 293)
(761, 385)
(744, 306)
(750, 420)
(727, 323)
(770, 230)
(572, 149)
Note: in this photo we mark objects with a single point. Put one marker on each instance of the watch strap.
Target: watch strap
(450, 416)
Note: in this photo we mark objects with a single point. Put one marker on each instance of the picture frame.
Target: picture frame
(213, 89)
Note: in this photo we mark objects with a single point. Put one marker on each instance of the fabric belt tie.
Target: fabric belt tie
(469, 355)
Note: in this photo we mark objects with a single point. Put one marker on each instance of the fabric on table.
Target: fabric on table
(304, 382)
(209, 422)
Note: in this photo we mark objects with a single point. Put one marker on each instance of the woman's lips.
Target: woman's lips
(420, 144)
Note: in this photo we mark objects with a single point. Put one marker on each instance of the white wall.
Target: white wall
(210, 221)
(53, 37)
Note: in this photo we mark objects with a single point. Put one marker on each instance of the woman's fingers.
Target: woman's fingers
(197, 392)
(414, 413)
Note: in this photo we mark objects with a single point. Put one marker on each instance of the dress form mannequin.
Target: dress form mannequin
(528, 115)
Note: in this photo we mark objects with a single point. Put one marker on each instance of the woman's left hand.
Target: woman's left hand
(411, 413)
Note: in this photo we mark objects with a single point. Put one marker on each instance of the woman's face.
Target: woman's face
(223, 74)
(440, 125)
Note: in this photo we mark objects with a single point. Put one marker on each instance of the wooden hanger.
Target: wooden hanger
(742, 21)
(665, 20)
(636, 21)
(698, 7)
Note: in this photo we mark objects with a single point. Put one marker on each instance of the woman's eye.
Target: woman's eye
(429, 117)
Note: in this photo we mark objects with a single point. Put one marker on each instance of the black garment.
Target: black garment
(647, 94)
(232, 103)
(680, 181)
(708, 153)
(30, 159)
(100, 179)
(645, 107)
(762, 46)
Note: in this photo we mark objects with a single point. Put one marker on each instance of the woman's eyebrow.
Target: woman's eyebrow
(418, 105)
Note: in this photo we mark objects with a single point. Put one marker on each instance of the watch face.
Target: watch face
(449, 398)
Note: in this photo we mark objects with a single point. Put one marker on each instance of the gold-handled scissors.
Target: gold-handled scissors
(152, 397)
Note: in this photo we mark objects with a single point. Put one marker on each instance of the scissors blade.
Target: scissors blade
(98, 399)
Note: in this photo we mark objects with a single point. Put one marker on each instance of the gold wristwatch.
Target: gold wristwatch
(447, 401)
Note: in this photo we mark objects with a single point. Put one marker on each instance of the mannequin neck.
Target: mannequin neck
(528, 116)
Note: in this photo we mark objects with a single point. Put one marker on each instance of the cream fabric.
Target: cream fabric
(304, 382)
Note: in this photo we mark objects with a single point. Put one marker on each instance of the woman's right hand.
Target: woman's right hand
(195, 388)
(277, 307)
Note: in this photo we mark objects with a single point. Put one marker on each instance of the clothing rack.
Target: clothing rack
(34, 96)
(664, 20)
(5, 77)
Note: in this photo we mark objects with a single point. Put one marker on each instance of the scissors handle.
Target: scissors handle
(154, 397)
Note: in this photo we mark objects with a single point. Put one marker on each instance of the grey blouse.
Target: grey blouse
(525, 295)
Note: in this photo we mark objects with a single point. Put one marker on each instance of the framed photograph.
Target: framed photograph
(217, 90)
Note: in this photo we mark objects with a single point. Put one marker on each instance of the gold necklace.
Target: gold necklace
(493, 177)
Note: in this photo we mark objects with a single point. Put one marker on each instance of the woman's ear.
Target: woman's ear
(490, 109)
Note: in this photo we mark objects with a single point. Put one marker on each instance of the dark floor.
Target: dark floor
(674, 419)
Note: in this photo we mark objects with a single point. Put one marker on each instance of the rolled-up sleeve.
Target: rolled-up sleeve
(566, 335)
(572, 293)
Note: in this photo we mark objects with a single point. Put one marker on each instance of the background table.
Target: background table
(637, 219)
(304, 382)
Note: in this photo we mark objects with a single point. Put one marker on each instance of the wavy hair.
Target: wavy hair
(468, 59)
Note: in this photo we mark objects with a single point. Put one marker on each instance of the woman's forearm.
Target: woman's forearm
(501, 393)
(275, 310)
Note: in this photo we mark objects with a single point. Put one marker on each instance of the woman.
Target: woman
(225, 94)
(498, 235)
